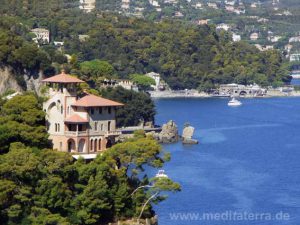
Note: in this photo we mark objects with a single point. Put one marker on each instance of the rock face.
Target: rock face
(187, 136)
(188, 132)
(9, 81)
(169, 133)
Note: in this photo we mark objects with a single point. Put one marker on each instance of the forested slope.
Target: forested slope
(187, 56)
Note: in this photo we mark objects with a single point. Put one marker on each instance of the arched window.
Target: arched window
(99, 147)
(95, 145)
(91, 147)
(81, 145)
(56, 127)
(71, 145)
(108, 126)
(61, 109)
(96, 126)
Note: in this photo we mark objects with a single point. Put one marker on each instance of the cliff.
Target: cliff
(9, 81)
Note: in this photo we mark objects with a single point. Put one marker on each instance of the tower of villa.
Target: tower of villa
(78, 124)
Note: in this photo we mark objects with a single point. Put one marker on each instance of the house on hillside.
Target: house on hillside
(236, 37)
(294, 39)
(159, 83)
(223, 26)
(254, 36)
(202, 22)
(78, 124)
(87, 5)
(212, 5)
(41, 34)
(124, 83)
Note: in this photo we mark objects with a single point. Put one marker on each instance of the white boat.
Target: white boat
(161, 173)
(234, 102)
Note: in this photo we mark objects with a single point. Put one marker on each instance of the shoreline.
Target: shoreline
(194, 94)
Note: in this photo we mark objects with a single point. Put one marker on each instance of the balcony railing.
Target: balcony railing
(76, 133)
(113, 133)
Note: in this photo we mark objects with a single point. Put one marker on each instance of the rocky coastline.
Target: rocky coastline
(170, 134)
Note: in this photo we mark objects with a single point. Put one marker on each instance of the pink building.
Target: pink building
(78, 124)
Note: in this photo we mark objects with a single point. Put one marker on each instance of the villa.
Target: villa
(78, 124)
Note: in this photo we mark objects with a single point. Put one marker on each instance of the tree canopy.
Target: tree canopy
(138, 106)
(48, 187)
(186, 55)
(96, 69)
(144, 83)
(22, 120)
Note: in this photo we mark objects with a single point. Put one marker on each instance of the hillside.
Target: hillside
(186, 55)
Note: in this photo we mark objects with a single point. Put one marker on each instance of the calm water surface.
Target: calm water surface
(247, 161)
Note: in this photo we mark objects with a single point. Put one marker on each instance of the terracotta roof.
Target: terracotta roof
(76, 119)
(63, 78)
(95, 101)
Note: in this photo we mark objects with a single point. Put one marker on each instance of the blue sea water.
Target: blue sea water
(246, 168)
(295, 82)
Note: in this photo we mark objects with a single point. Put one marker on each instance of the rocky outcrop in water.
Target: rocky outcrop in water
(168, 134)
(187, 135)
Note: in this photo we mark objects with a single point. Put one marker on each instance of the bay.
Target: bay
(247, 162)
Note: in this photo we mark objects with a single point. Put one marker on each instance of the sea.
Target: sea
(245, 169)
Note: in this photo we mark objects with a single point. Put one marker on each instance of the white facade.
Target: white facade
(223, 26)
(156, 77)
(41, 35)
(236, 37)
(295, 57)
(294, 39)
(254, 36)
(87, 5)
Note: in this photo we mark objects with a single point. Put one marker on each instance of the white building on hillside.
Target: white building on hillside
(156, 77)
(254, 36)
(87, 5)
(236, 37)
(223, 26)
(41, 35)
(295, 57)
(294, 39)
(212, 5)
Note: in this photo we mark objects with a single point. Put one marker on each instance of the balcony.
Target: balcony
(112, 133)
(76, 133)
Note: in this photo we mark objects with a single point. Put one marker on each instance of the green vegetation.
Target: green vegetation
(96, 69)
(186, 55)
(143, 82)
(22, 120)
(21, 55)
(138, 106)
(48, 187)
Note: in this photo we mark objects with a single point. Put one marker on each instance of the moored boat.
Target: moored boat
(234, 102)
